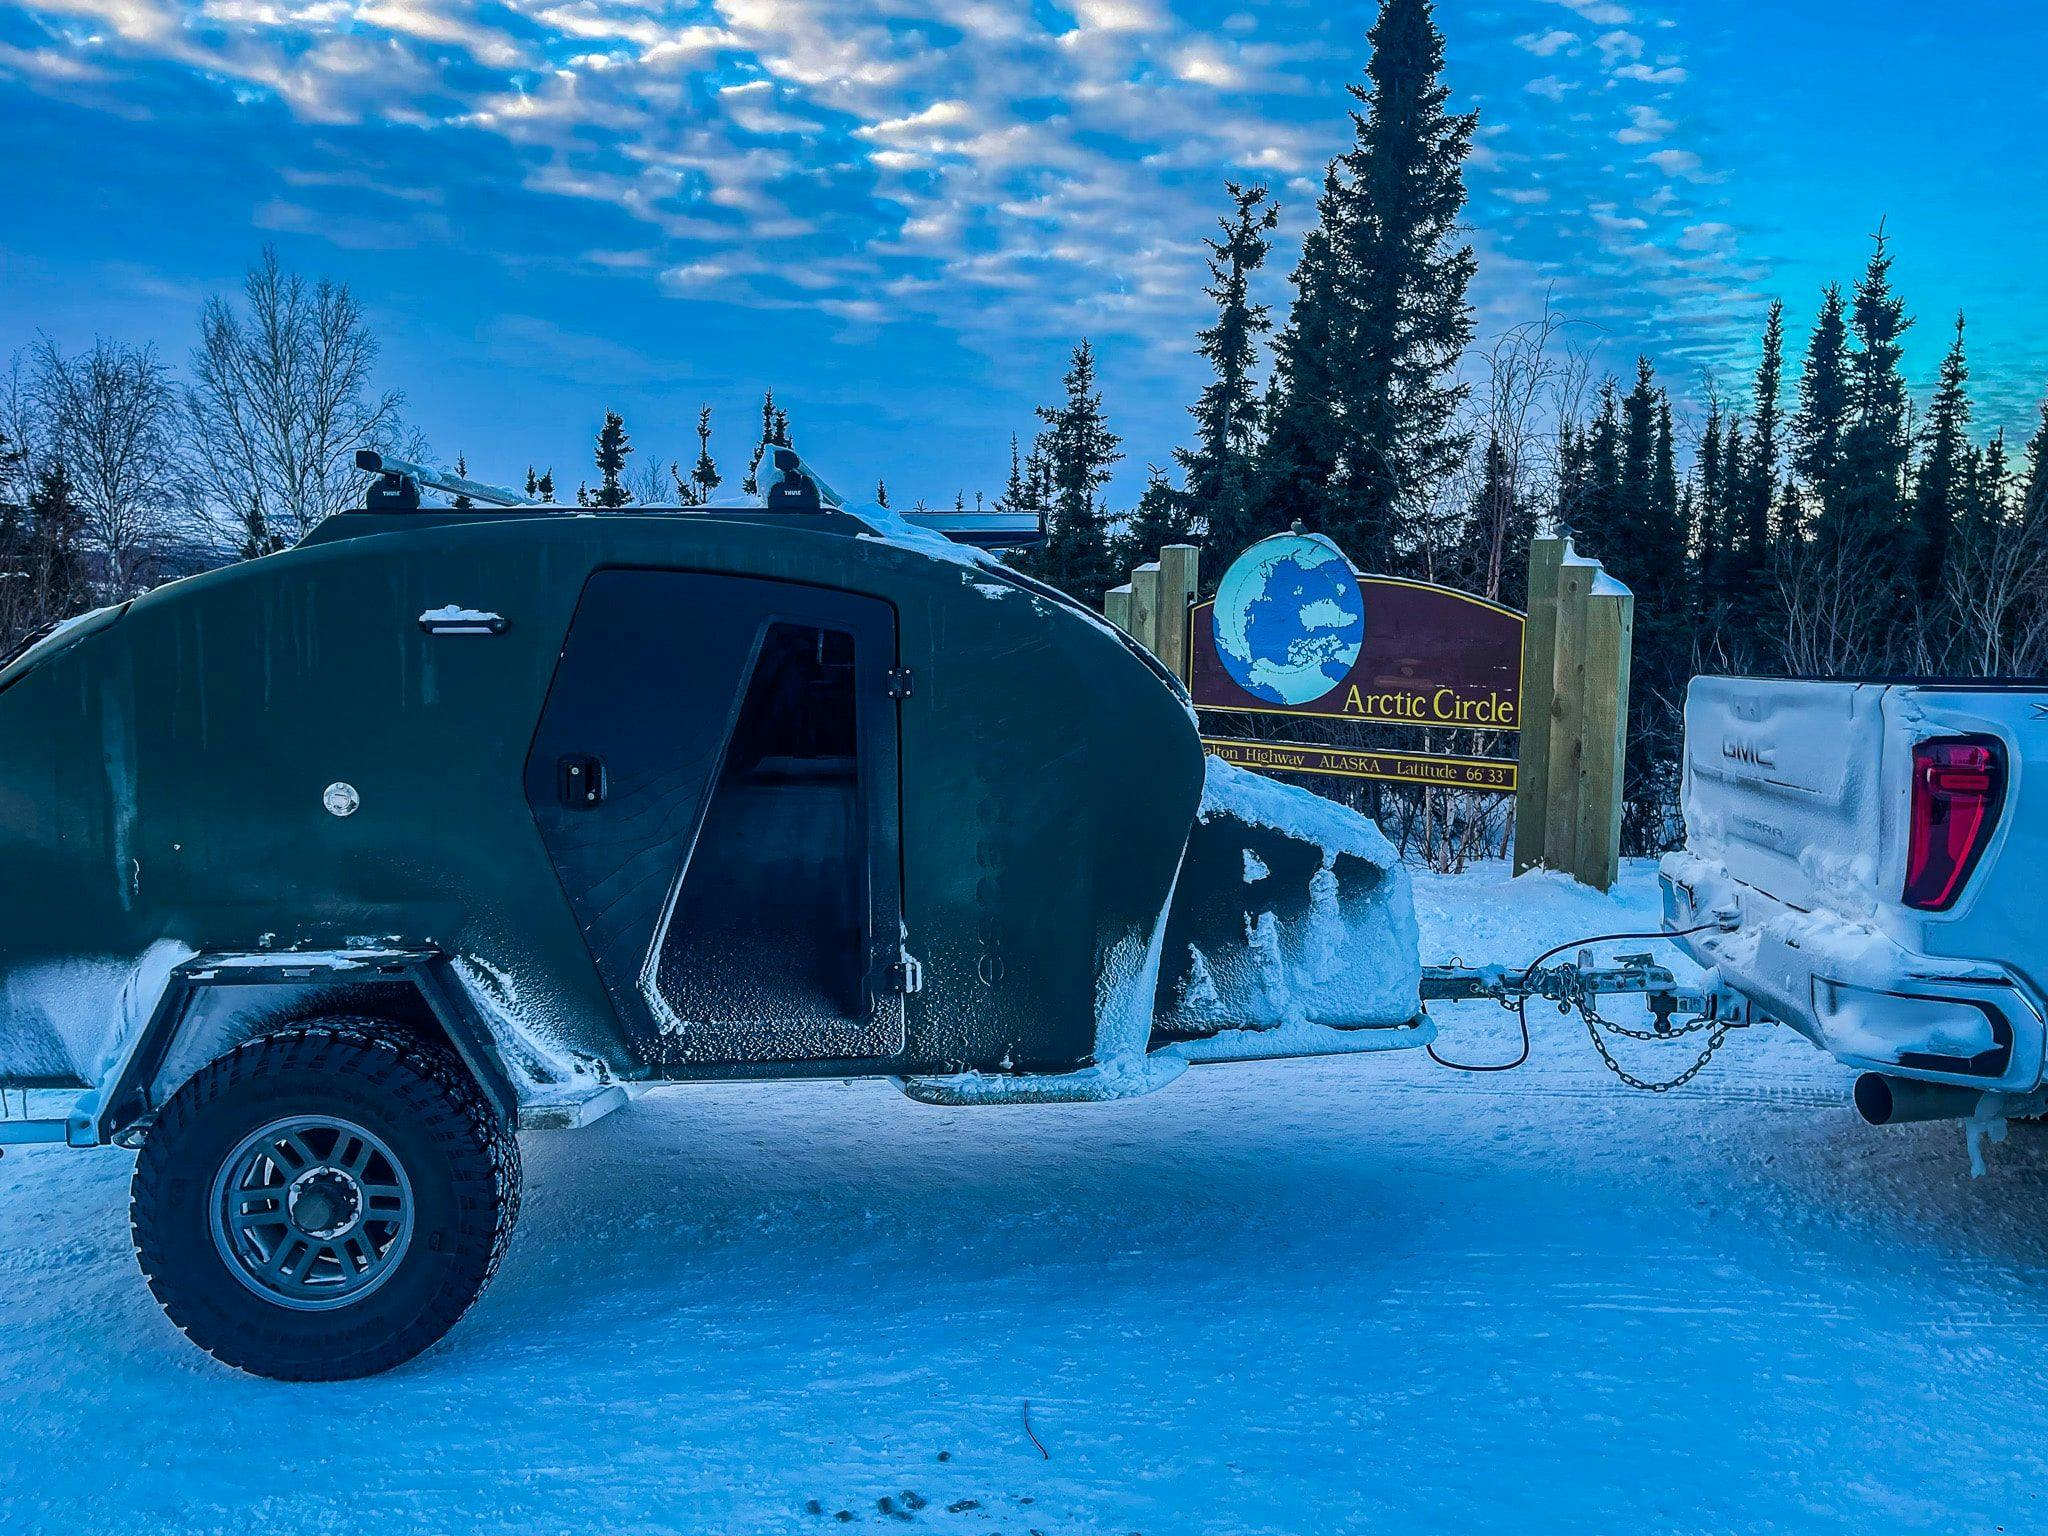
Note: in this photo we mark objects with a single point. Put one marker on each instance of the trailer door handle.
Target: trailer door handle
(581, 780)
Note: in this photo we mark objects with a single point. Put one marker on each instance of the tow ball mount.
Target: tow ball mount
(1577, 985)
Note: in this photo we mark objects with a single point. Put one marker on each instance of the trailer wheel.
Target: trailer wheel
(325, 1202)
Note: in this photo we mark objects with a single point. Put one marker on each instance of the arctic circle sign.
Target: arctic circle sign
(1294, 630)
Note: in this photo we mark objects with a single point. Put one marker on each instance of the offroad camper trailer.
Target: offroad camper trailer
(329, 872)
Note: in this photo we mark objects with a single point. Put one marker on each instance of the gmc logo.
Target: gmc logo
(1749, 752)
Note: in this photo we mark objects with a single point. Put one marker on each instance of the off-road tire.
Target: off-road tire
(461, 1159)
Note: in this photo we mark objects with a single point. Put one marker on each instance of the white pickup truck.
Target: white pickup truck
(1872, 862)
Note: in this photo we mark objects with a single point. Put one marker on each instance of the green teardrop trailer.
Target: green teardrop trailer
(326, 873)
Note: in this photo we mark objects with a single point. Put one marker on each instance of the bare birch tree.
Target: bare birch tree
(1995, 597)
(281, 398)
(1838, 603)
(112, 414)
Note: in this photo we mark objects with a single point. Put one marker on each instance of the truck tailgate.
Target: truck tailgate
(1782, 787)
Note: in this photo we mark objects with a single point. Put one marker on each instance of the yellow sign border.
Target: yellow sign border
(1491, 765)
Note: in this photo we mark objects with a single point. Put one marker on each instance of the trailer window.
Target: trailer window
(769, 924)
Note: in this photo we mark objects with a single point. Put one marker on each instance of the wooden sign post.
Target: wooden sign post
(1575, 677)
(1152, 607)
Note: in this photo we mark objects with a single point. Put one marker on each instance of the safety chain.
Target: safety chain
(1720, 1033)
(1596, 1022)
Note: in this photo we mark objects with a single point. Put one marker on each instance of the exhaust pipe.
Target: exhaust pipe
(1883, 1100)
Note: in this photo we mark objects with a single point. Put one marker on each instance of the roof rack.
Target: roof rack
(799, 488)
(399, 488)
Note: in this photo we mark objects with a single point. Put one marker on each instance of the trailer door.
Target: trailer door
(715, 777)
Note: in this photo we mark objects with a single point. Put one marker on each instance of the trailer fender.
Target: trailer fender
(197, 1017)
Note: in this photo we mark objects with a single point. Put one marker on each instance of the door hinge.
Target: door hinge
(907, 975)
(899, 681)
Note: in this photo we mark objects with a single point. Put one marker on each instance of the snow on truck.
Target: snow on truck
(1863, 862)
(323, 875)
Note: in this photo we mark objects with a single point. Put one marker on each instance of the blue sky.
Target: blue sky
(901, 213)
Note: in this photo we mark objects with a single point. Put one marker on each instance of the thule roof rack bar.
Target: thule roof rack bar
(399, 488)
(797, 488)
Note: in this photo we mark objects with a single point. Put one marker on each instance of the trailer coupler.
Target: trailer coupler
(1578, 985)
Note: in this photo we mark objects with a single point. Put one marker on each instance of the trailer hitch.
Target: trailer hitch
(1575, 984)
(1578, 985)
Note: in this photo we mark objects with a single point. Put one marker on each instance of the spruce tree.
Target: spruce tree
(258, 539)
(1823, 421)
(1366, 401)
(1599, 501)
(1304, 427)
(612, 448)
(1759, 471)
(1942, 493)
(882, 494)
(1493, 555)
(1079, 452)
(547, 485)
(462, 503)
(1162, 516)
(774, 434)
(1630, 520)
(532, 484)
(1666, 522)
(2034, 498)
(1016, 495)
(704, 476)
(1988, 502)
(1876, 444)
(1638, 448)
(1709, 535)
(1218, 468)
(56, 529)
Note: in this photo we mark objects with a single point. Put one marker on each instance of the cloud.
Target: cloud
(1601, 13)
(443, 24)
(1617, 46)
(1205, 63)
(1544, 44)
(1679, 164)
(1117, 15)
(1004, 171)
(55, 66)
(1646, 125)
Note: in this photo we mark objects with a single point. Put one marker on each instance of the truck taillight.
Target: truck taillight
(1958, 791)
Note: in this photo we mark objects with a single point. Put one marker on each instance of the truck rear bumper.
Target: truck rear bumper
(1855, 992)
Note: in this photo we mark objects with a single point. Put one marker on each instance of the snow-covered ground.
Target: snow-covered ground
(1307, 1297)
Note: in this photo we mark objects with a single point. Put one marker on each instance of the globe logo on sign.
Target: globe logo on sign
(1290, 619)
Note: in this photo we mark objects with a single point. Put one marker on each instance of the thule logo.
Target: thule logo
(1754, 753)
